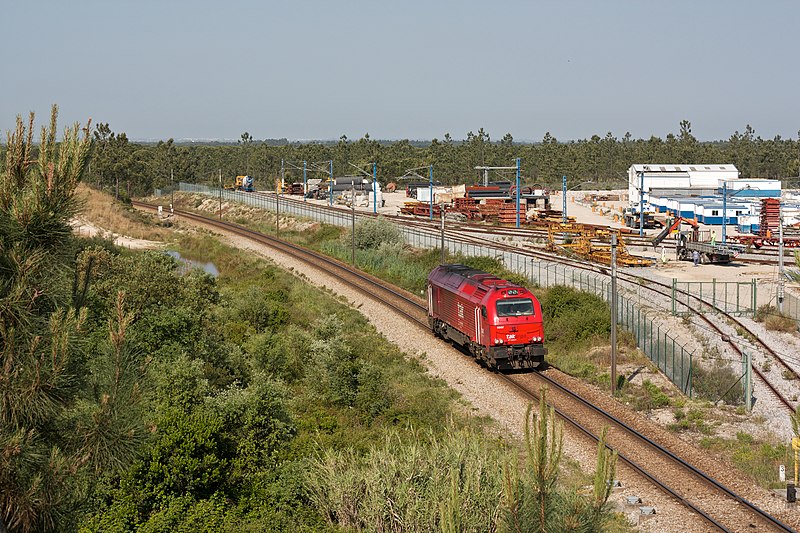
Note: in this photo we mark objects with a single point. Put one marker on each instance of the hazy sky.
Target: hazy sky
(404, 69)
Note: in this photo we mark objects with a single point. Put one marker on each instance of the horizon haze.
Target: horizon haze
(416, 70)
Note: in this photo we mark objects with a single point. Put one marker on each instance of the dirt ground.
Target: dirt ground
(88, 229)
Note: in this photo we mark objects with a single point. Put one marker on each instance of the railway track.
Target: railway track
(665, 290)
(486, 235)
(717, 505)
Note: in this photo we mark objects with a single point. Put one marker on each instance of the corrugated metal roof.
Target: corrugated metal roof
(658, 167)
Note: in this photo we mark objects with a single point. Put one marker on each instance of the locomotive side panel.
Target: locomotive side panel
(463, 306)
(455, 311)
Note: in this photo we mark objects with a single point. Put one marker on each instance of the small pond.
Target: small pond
(188, 264)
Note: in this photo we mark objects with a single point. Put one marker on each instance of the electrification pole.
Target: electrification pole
(724, 210)
(518, 165)
(430, 187)
(641, 204)
(780, 259)
(353, 219)
(613, 313)
(330, 185)
(442, 234)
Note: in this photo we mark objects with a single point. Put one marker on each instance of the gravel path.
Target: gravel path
(486, 395)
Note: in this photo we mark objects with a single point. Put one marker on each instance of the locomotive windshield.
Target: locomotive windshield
(515, 307)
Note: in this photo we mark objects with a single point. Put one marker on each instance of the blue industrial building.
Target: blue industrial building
(709, 194)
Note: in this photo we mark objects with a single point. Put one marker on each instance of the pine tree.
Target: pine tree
(38, 328)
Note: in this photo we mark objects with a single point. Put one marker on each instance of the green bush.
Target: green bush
(264, 311)
(373, 232)
(657, 397)
(572, 317)
(712, 382)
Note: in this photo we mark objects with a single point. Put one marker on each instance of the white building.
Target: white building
(676, 180)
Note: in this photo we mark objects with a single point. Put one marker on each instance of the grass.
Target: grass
(103, 211)
(692, 419)
(774, 320)
(759, 460)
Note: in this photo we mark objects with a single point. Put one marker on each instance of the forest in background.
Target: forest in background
(139, 168)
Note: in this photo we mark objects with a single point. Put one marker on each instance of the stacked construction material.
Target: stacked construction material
(466, 206)
(491, 208)
(421, 209)
(293, 188)
(770, 217)
(493, 190)
(508, 213)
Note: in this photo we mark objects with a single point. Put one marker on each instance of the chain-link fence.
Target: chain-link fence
(671, 357)
(733, 297)
(791, 305)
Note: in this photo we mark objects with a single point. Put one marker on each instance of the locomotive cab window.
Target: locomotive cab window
(515, 307)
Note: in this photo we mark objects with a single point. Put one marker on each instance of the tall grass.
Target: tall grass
(416, 484)
(103, 211)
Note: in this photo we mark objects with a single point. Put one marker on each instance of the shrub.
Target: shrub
(572, 317)
(262, 310)
(763, 312)
(780, 322)
(716, 383)
(372, 398)
(649, 396)
(373, 232)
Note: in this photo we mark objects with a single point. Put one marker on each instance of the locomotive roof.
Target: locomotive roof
(476, 275)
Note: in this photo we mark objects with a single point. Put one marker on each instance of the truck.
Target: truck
(688, 243)
(244, 183)
(631, 217)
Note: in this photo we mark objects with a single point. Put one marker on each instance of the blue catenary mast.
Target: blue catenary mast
(518, 165)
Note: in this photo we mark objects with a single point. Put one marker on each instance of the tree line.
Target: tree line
(132, 168)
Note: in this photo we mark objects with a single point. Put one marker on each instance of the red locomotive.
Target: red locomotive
(498, 321)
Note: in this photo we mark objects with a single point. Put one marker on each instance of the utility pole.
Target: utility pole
(442, 233)
(375, 187)
(305, 187)
(330, 186)
(641, 204)
(172, 190)
(353, 219)
(613, 313)
(724, 209)
(518, 169)
(564, 199)
(780, 259)
(220, 194)
(278, 189)
(748, 381)
(430, 186)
